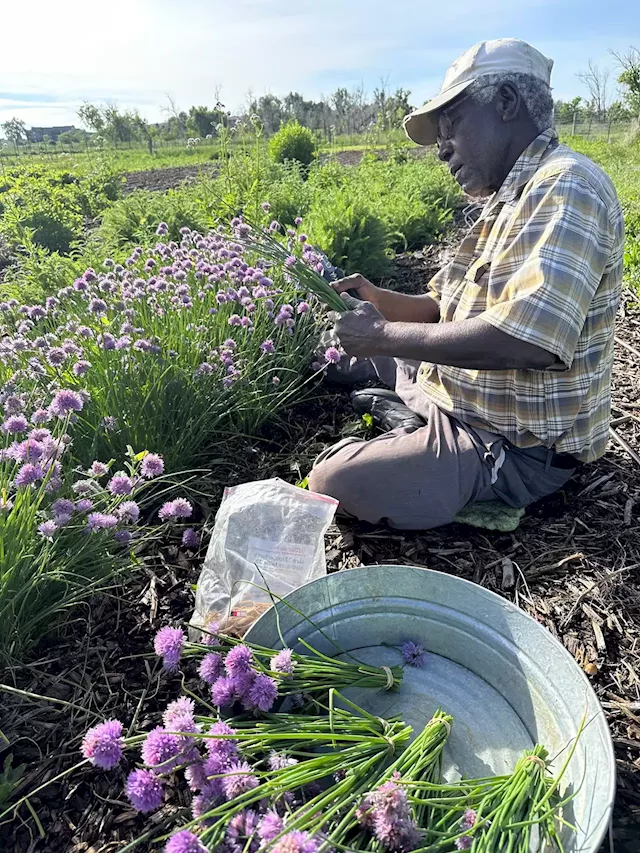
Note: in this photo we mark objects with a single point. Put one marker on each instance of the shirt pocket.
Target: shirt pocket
(474, 288)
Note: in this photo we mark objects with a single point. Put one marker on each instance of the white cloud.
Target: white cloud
(136, 51)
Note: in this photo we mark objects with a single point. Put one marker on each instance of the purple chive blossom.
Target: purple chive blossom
(81, 367)
(179, 708)
(109, 422)
(40, 416)
(205, 801)
(290, 261)
(280, 762)
(162, 229)
(120, 484)
(276, 380)
(161, 750)
(101, 521)
(263, 693)
(195, 776)
(128, 512)
(97, 306)
(464, 842)
(267, 346)
(185, 842)
(84, 487)
(303, 307)
(211, 667)
(29, 474)
(98, 469)
(223, 692)
(15, 424)
(152, 466)
(47, 529)
(468, 819)
(270, 826)
(168, 645)
(413, 654)
(63, 507)
(238, 660)
(84, 505)
(190, 538)
(144, 790)
(332, 355)
(178, 508)
(224, 748)
(238, 780)
(297, 842)
(56, 356)
(65, 402)
(122, 537)
(282, 662)
(302, 238)
(266, 206)
(103, 744)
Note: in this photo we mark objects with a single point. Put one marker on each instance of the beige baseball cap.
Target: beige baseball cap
(486, 57)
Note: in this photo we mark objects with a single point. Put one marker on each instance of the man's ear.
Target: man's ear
(508, 102)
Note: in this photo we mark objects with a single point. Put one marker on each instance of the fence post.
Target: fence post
(573, 126)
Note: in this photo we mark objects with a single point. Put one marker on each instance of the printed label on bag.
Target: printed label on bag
(280, 558)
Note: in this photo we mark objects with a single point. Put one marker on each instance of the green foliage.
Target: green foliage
(10, 778)
(134, 219)
(352, 236)
(293, 142)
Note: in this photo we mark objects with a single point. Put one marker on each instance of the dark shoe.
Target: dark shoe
(386, 408)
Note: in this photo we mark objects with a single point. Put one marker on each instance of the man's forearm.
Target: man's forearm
(473, 344)
(401, 307)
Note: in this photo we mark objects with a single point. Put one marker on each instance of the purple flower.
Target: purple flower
(225, 749)
(161, 749)
(97, 306)
(238, 660)
(15, 424)
(413, 654)
(81, 367)
(65, 402)
(128, 512)
(47, 529)
(276, 380)
(234, 320)
(152, 466)
(270, 826)
(469, 819)
(29, 474)
(267, 346)
(238, 780)
(84, 505)
(396, 833)
(122, 537)
(263, 693)
(179, 708)
(297, 220)
(240, 836)
(168, 645)
(185, 842)
(223, 692)
(103, 744)
(210, 668)
(205, 801)
(162, 229)
(109, 422)
(290, 261)
(195, 776)
(120, 484)
(297, 842)
(84, 487)
(274, 226)
(266, 206)
(464, 842)
(282, 662)
(280, 762)
(98, 469)
(101, 521)
(56, 356)
(303, 307)
(40, 416)
(178, 508)
(190, 538)
(332, 355)
(302, 238)
(144, 790)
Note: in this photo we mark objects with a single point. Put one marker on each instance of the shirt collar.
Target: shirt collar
(525, 167)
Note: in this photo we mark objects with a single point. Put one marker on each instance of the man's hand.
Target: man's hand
(366, 291)
(362, 329)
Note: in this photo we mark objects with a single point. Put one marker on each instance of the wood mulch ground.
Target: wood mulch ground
(574, 565)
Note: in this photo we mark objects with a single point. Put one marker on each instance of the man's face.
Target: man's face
(472, 140)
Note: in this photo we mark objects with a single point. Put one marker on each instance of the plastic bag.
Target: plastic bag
(268, 535)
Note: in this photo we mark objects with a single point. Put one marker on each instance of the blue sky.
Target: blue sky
(136, 52)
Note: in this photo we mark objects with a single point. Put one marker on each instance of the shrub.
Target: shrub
(293, 142)
(352, 236)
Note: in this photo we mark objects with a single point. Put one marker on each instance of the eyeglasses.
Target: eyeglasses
(445, 123)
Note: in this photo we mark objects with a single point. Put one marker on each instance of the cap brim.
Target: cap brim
(422, 125)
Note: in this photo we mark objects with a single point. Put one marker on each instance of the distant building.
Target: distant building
(37, 134)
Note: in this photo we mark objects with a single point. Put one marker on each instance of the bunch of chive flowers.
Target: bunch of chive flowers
(246, 676)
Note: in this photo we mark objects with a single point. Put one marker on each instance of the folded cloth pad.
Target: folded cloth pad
(491, 515)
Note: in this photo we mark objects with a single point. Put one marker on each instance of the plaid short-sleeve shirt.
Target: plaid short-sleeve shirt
(543, 263)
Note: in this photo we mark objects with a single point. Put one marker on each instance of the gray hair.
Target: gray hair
(534, 92)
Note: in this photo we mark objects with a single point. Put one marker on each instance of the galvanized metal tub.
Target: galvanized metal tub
(505, 679)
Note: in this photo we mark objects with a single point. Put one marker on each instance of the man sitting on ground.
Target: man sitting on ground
(502, 371)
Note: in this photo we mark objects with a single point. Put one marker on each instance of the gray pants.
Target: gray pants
(421, 478)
